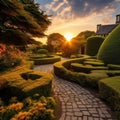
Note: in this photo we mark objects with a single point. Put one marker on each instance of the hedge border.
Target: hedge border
(109, 90)
(16, 83)
(50, 60)
(61, 69)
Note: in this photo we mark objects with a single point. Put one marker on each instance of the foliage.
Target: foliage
(93, 44)
(3, 83)
(113, 67)
(46, 60)
(42, 51)
(76, 43)
(86, 68)
(23, 82)
(23, 18)
(55, 42)
(68, 49)
(9, 57)
(109, 51)
(109, 90)
(29, 109)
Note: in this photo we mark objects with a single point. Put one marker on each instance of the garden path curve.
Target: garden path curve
(78, 103)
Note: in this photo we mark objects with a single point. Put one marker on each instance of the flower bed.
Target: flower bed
(9, 57)
(31, 108)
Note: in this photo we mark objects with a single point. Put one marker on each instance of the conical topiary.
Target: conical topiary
(109, 51)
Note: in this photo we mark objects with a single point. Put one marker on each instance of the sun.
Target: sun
(68, 36)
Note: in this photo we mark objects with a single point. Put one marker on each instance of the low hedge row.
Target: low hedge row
(109, 90)
(24, 82)
(47, 60)
(86, 68)
(61, 69)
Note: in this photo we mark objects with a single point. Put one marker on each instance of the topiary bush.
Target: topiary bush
(46, 60)
(109, 51)
(109, 90)
(26, 83)
(42, 51)
(87, 68)
(93, 44)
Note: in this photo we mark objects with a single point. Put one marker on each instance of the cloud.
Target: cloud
(79, 8)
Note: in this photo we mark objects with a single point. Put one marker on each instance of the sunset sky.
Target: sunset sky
(74, 16)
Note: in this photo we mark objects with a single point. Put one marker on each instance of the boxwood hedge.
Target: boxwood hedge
(23, 82)
(61, 69)
(93, 44)
(46, 60)
(109, 90)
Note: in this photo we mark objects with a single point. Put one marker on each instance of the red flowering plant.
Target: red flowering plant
(10, 56)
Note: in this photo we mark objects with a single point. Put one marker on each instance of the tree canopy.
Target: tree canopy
(23, 17)
(55, 42)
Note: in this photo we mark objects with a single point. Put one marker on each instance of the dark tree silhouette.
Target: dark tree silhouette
(23, 18)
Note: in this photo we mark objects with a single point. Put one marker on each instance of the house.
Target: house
(104, 30)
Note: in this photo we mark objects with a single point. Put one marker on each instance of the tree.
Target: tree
(55, 42)
(80, 40)
(24, 18)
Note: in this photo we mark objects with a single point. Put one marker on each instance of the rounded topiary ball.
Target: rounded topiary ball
(93, 44)
(109, 51)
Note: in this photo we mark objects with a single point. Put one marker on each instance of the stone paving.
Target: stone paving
(78, 103)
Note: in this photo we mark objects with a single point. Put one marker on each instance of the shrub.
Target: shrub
(47, 60)
(9, 57)
(42, 51)
(93, 44)
(113, 67)
(37, 56)
(3, 83)
(94, 63)
(29, 109)
(109, 51)
(87, 68)
(27, 83)
(109, 90)
(112, 73)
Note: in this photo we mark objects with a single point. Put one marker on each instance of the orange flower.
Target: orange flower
(16, 107)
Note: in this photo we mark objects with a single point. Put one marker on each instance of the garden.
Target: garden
(100, 72)
(91, 61)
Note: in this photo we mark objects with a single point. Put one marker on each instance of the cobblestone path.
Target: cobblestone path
(78, 103)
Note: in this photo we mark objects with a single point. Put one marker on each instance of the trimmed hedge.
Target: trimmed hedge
(23, 82)
(36, 56)
(86, 68)
(109, 51)
(113, 67)
(94, 63)
(109, 90)
(93, 44)
(61, 69)
(48, 60)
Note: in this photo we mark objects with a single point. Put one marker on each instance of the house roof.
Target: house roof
(105, 29)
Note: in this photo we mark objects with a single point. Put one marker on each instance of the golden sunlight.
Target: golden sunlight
(68, 36)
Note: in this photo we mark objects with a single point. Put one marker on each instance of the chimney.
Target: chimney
(118, 19)
(98, 26)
